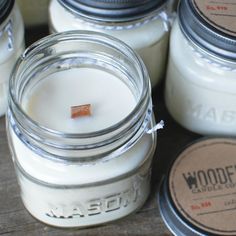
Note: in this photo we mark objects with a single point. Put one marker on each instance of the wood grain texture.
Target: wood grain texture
(16, 221)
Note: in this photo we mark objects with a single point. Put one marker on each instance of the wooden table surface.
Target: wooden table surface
(16, 221)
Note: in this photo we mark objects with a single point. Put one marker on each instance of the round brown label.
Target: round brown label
(202, 185)
(219, 14)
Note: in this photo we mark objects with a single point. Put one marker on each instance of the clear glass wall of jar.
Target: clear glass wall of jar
(71, 178)
(11, 45)
(143, 26)
(200, 90)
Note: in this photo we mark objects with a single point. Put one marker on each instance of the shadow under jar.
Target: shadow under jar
(88, 170)
(143, 25)
(200, 88)
(11, 45)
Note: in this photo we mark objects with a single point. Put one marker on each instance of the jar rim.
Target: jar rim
(144, 101)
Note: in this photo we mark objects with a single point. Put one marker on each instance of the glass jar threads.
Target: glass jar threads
(143, 25)
(82, 152)
(200, 85)
(11, 45)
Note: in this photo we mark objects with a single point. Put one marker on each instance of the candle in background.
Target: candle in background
(200, 89)
(11, 45)
(49, 102)
(77, 171)
(143, 26)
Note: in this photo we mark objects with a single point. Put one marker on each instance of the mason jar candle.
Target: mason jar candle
(11, 45)
(142, 25)
(81, 129)
(200, 88)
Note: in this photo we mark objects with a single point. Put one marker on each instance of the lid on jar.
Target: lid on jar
(113, 10)
(5, 9)
(210, 25)
(198, 197)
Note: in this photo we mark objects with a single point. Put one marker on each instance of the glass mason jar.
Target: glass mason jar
(200, 88)
(71, 178)
(143, 26)
(11, 45)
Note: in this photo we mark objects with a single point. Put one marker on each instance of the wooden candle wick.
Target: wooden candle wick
(81, 110)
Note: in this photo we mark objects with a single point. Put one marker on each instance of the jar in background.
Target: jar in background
(143, 26)
(11, 45)
(200, 88)
(87, 170)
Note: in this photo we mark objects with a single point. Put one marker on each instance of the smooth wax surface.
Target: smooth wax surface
(49, 102)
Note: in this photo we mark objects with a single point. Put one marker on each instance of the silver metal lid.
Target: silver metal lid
(112, 10)
(210, 25)
(171, 217)
(200, 189)
(5, 9)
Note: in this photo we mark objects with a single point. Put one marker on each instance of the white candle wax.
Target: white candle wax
(50, 100)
